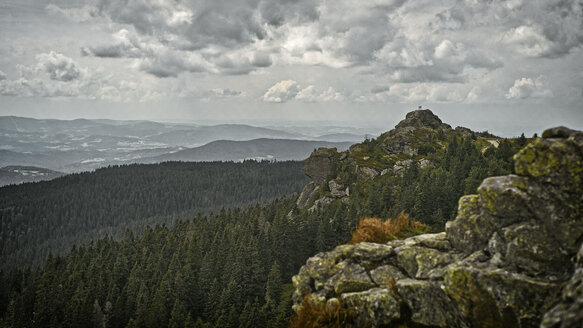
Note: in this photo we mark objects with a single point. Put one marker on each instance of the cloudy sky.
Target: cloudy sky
(506, 66)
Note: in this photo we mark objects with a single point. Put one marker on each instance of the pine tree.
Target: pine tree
(273, 286)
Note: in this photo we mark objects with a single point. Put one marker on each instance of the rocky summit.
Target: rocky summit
(391, 153)
(513, 257)
(422, 118)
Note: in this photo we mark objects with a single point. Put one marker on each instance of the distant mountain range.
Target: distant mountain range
(81, 145)
(258, 149)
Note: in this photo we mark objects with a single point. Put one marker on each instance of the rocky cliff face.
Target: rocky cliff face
(509, 259)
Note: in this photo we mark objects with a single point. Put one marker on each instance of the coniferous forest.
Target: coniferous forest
(75, 209)
(232, 267)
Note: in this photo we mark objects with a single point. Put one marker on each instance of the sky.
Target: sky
(503, 66)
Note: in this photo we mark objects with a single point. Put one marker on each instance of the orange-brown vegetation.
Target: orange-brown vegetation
(378, 231)
(331, 314)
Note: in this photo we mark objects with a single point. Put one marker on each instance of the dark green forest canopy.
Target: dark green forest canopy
(54, 215)
(230, 269)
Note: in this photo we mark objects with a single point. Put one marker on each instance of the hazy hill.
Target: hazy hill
(228, 150)
(204, 134)
(82, 144)
(21, 174)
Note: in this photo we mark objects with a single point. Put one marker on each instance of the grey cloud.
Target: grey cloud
(233, 65)
(452, 18)
(54, 75)
(446, 64)
(261, 60)
(77, 15)
(239, 23)
(58, 66)
(111, 51)
(277, 13)
(360, 29)
(127, 44)
(432, 73)
(379, 89)
(480, 60)
(552, 34)
(49, 78)
(170, 65)
(147, 16)
(196, 28)
(224, 93)
(2, 76)
(231, 26)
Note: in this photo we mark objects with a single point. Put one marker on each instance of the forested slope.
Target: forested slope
(231, 269)
(54, 215)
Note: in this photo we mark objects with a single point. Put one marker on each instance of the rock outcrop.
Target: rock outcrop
(422, 118)
(507, 260)
(318, 167)
(420, 133)
(418, 127)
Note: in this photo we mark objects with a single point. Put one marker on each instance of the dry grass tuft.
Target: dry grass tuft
(378, 231)
(331, 314)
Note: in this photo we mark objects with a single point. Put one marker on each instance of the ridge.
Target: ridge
(504, 261)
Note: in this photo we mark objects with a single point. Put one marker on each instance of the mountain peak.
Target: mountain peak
(422, 118)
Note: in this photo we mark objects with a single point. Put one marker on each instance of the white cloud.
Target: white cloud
(528, 40)
(311, 94)
(58, 66)
(282, 91)
(528, 88)
(287, 90)
(58, 76)
(447, 49)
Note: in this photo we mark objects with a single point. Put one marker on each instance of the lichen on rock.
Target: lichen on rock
(505, 261)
